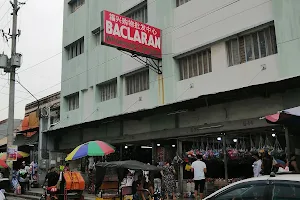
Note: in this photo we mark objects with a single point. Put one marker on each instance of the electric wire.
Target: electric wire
(96, 66)
(3, 4)
(181, 25)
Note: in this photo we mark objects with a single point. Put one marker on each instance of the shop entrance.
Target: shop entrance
(240, 146)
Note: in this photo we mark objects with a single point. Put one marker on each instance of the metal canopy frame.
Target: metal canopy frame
(151, 63)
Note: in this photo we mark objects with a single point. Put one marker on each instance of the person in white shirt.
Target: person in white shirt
(256, 165)
(199, 169)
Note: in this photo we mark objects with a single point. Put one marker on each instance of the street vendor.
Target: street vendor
(128, 180)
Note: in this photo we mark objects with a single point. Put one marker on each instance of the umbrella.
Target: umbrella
(92, 148)
(20, 154)
(3, 164)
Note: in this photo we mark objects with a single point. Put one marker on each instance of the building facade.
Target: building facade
(208, 47)
(225, 64)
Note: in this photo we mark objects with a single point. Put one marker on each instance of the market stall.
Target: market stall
(236, 163)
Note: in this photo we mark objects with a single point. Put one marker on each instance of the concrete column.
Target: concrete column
(287, 141)
(121, 152)
(225, 158)
(154, 153)
(180, 173)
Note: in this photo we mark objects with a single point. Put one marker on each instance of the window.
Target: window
(252, 46)
(247, 192)
(75, 4)
(73, 101)
(137, 82)
(76, 48)
(97, 36)
(180, 2)
(108, 90)
(196, 64)
(286, 191)
(138, 13)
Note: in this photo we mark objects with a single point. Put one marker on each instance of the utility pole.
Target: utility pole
(11, 105)
(9, 66)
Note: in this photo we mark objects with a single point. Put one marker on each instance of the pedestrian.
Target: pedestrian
(52, 178)
(168, 179)
(67, 168)
(27, 169)
(256, 165)
(22, 175)
(199, 169)
(293, 164)
(267, 164)
(91, 182)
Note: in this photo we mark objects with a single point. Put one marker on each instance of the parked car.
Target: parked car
(272, 187)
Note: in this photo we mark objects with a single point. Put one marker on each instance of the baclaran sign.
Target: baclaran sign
(130, 35)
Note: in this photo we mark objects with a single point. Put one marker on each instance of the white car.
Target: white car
(274, 187)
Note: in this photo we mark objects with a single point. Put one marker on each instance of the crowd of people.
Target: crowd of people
(22, 177)
(264, 164)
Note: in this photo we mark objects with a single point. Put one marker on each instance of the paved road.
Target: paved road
(14, 198)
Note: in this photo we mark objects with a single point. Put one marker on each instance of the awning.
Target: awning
(289, 116)
(30, 124)
(22, 140)
(3, 141)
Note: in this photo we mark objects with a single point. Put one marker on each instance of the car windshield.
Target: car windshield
(251, 192)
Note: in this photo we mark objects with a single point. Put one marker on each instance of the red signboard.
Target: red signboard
(130, 35)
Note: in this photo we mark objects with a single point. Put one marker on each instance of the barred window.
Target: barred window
(73, 101)
(108, 90)
(252, 46)
(76, 48)
(137, 82)
(139, 13)
(75, 4)
(196, 64)
(180, 2)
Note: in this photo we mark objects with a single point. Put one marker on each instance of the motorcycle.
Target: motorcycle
(50, 193)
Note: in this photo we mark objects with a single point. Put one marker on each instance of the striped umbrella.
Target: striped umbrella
(20, 154)
(92, 148)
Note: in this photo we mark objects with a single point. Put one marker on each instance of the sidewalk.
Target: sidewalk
(36, 193)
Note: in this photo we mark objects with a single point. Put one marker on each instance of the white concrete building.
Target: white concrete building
(208, 47)
(225, 64)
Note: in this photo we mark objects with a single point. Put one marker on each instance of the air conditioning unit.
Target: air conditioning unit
(3, 61)
(45, 112)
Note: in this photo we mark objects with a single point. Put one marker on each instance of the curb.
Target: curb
(29, 197)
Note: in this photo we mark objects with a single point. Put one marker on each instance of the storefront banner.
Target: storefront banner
(12, 152)
(131, 35)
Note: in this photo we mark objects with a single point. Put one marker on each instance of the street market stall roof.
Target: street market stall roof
(120, 167)
(263, 90)
(128, 164)
(289, 116)
(22, 140)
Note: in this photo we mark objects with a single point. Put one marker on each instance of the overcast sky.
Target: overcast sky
(40, 22)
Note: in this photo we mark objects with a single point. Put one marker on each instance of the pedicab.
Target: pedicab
(108, 186)
(74, 186)
(70, 187)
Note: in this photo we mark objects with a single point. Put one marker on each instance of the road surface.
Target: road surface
(15, 198)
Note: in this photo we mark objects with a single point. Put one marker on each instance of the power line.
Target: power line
(2, 4)
(223, 19)
(4, 14)
(183, 24)
(83, 71)
(45, 60)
